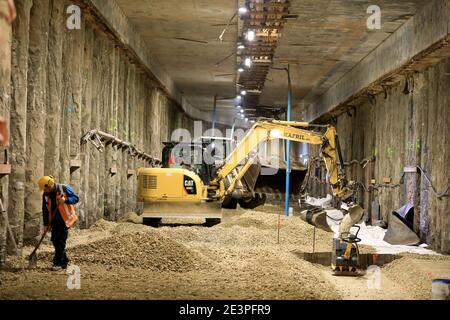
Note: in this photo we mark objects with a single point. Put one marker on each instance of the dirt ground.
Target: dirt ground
(237, 259)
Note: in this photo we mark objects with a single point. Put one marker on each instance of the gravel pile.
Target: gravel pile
(414, 273)
(144, 250)
(237, 259)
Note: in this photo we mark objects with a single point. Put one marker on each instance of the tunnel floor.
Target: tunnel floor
(238, 259)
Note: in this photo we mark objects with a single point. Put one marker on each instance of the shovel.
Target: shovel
(33, 259)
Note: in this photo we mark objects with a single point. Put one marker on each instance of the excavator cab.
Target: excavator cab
(189, 156)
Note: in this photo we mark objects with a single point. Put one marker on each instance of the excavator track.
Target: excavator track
(342, 271)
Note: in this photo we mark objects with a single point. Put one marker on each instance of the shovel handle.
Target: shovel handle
(40, 241)
(45, 232)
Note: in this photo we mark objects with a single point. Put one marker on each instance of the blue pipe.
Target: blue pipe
(288, 147)
(214, 116)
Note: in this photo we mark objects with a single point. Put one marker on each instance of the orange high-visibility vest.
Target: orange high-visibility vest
(67, 211)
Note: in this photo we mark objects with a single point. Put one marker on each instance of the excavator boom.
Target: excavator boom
(286, 130)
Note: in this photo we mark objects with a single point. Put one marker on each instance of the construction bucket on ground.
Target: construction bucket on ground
(400, 230)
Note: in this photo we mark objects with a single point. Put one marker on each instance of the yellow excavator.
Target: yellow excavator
(182, 192)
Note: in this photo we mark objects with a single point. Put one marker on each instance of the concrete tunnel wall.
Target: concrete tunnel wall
(403, 129)
(63, 84)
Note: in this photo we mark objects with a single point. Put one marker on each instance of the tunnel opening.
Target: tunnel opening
(274, 186)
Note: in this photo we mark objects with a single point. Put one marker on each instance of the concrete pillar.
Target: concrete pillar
(86, 200)
(110, 128)
(148, 109)
(5, 76)
(93, 197)
(439, 157)
(122, 169)
(126, 201)
(156, 124)
(70, 101)
(55, 89)
(142, 102)
(445, 202)
(115, 178)
(37, 101)
(103, 120)
(414, 154)
(140, 114)
(18, 123)
(132, 129)
(75, 91)
(427, 100)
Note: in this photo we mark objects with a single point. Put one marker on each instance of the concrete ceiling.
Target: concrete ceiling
(328, 38)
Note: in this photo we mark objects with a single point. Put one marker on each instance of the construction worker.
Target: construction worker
(58, 211)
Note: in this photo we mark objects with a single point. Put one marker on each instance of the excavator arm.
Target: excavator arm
(286, 130)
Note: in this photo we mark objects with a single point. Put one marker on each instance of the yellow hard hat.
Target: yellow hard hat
(47, 181)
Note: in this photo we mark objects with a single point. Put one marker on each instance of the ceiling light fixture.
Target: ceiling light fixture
(251, 35)
(240, 70)
(239, 97)
(241, 47)
(244, 92)
(243, 10)
(248, 62)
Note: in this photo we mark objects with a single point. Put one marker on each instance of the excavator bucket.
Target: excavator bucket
(317, 218)
(354, 215)
(399, 233)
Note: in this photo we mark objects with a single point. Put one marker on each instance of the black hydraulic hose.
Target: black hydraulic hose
(437, 194)
(334, 219)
